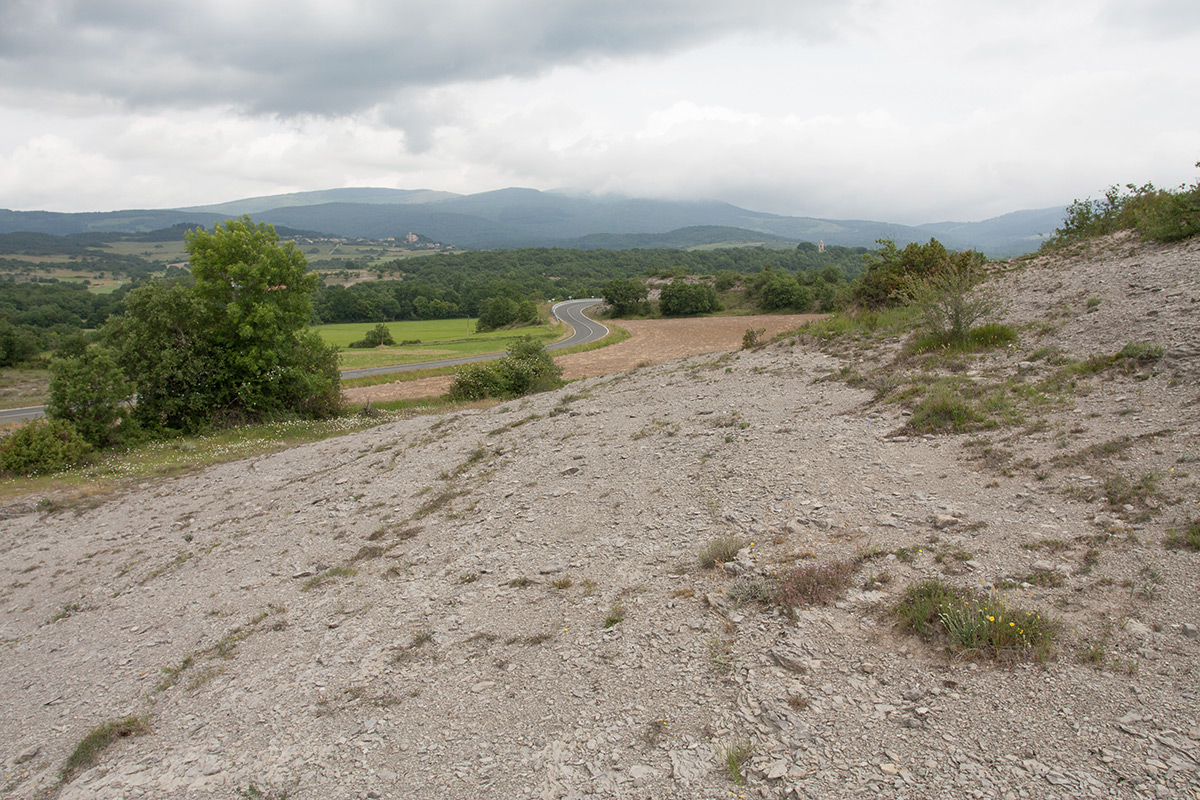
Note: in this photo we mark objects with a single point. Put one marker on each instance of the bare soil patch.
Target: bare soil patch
(651, 341)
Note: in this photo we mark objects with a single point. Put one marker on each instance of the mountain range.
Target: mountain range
(510, 218)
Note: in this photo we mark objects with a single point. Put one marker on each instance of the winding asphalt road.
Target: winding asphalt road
(569, 311)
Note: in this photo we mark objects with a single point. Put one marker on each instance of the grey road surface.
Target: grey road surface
(569, 311)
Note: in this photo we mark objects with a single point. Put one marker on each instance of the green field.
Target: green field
(441, 338)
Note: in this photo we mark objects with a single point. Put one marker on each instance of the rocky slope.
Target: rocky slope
(420, 610)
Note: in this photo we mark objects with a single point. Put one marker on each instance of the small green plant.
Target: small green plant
(753, 337)
(720, 551)
(97, 740)
(42, 447)
(565, 582)
(1189, 539)
(616, 615)
(735, 758)
(340, 571)
(520, 582)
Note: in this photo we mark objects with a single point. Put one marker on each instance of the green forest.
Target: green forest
(41, 313)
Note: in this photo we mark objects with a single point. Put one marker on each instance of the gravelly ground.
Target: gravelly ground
(458, 647)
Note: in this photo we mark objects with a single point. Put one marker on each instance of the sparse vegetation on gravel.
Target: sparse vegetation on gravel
(872, 678)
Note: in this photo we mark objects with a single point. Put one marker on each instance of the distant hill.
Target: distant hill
(510, 218)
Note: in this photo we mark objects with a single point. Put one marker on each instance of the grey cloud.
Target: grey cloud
(331, 58)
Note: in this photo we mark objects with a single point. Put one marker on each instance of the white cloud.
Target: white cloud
(872, 109)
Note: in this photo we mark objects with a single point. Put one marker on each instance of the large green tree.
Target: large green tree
(236, 345)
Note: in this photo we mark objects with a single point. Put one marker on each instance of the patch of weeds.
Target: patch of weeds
(1147, 583)
(908, 554)
(943, 409)
(720, 550)
(565, 582)
(400, 533)
(1119, 491)
(654, 732)
(1090, 559)
(204, 676)
(750, 589)
(683, 592)
(368, 551)
(97, 740)
(420, 638)
(735, 758)
(340, 571)
(813, 584)
(67, 610)
(615, 616)
(252, 792)
(975, 624)
(955, 553)
(520, 582)
(1049, 578)
(798, 702)
(589, 587)
(438, 501)
(720, 654)
(534, 639)
(1049, 545)
(171, 674)
(877, 581)
(1189, 539)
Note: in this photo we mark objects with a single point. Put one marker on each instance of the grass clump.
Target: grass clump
(975, 624)
(944, 409)
(735, 757)
(340, 571)
(720, 551)
(1189, 539)
(97, 740)
(615, 616)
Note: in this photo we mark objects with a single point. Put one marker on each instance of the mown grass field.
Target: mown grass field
(438, 339)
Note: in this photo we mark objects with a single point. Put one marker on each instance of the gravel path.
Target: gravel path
(508, 603)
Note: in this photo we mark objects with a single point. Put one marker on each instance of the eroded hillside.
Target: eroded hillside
(509, 602)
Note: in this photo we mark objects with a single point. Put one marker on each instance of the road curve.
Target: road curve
(569, 311)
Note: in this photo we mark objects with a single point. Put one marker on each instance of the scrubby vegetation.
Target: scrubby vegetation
(1163, 215)
(526, 368)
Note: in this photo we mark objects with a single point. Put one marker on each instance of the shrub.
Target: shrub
(1161, 214)
(379, 335)
(813, 584)
(943, 409)
(91, 392)
(42, 447)
(720, 550)
(500, 312)
(527, 368)
(680, 298)
(626, 297)
(891, 273)
(753, 337)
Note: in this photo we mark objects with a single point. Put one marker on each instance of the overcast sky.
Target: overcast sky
(906, 111)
